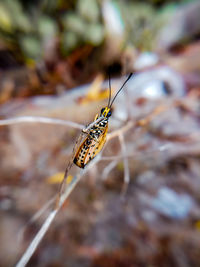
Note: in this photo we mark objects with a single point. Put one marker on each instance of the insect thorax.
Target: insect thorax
(98, 128)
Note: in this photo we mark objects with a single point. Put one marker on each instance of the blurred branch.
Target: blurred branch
(125, 128)
(63, 197)
(37, 239)
(108, 168)
(34, 244)
(161, 148)
(32, 119)
(125, 160)
(36, 216)
(39, 236)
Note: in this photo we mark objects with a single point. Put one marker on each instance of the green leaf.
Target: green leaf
(74, 23)
(94, 34)
(89, 10)
(31, 46)
(47, 27)
(69, 41)
(19, 18)
(5, 19)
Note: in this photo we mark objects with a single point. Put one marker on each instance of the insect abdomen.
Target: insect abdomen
(79, 158)
(90, 147)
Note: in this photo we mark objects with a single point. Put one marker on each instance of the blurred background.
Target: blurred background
(54, 59)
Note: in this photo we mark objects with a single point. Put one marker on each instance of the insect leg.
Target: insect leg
(88, 128)
(70, 163)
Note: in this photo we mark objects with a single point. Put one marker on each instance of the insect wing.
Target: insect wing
(89, 149)
(96, 146)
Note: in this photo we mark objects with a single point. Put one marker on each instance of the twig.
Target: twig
(123, 129)
(37, 239)
(125, 160)
(114, 160)
(34, 244)
(140, 122)
(36, 216)
(137, 155)
(32, 119)
(108, 168)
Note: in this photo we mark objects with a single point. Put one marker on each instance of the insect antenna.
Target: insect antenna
(109, 89)
(120, 89)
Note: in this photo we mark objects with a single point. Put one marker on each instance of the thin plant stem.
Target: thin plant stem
(125, 160)
(108, 169)
(35, 242)
(35, 119)
(39, 236)
(36, 216)
(37, 239)
(63, 196)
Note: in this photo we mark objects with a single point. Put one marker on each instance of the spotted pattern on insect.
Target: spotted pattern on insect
(96, 134)
(92, 144)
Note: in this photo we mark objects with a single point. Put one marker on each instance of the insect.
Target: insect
(94, 141)
(96, 133)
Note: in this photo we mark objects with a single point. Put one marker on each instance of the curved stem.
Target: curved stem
(35, 119)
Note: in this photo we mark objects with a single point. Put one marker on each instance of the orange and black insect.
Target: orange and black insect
(96, 133)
